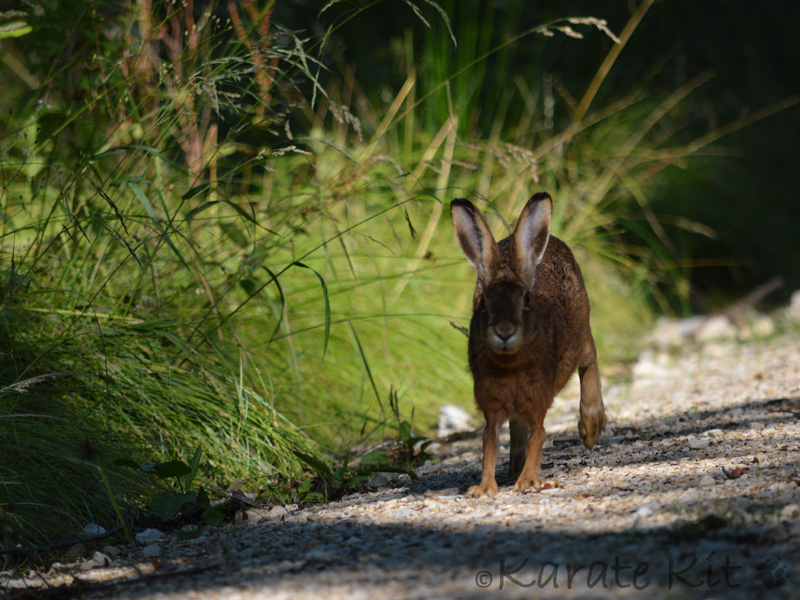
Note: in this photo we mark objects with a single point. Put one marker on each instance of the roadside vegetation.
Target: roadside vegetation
(221, 247)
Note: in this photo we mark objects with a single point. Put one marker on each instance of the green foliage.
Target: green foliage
(13, 23)
(410, 455)
(213, 237)
(410, 441)
(339, 480)
(330, 483)
(113, 309)
(181, 499)
(101, 388)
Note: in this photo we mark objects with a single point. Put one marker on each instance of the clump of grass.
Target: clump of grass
(123, 270)
(83, 388)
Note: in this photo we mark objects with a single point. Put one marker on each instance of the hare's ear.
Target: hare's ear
(532, 234)
(476, 240)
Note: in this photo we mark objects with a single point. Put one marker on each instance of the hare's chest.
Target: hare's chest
(514, 394)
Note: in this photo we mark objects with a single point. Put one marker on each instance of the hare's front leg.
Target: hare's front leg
(593, 415)
(533, 461)
(488, 484)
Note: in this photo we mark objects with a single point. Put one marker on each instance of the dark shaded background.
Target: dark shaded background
(743, 188)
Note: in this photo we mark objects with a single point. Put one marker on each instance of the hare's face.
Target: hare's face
(505, 274)
(504, 306)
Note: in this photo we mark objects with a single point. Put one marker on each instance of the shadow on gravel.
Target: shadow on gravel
(662, 434)
(658, 440)
(324, 560)
(711, 557)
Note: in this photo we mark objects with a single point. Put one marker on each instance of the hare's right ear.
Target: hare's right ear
(532, 234)
(476, 240)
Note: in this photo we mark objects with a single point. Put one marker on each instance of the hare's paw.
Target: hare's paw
(527, 484)
(486, 488)
(592, 423)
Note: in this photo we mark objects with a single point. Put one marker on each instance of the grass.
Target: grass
(95, 370)
(220, 249)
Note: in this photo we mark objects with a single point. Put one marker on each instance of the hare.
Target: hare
(528, 333)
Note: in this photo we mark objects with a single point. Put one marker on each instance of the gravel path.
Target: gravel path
(692, 492)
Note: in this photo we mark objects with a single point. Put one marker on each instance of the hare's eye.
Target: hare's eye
(526, 299)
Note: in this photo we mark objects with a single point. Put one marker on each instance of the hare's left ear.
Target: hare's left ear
(476, 240)
(532, 234)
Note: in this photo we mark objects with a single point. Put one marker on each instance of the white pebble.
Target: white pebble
(645, 510)
(94, 529)
(697, 443)
(706, 480)
(763, 326)
(149, 535)
(716, 328)
(452, 419)
(97, 561)
(790, 512)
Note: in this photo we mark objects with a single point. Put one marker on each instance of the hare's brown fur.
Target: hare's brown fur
(552, 320)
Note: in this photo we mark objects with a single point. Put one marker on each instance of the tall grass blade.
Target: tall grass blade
(148, 207)
(365, 362)
(327, 307)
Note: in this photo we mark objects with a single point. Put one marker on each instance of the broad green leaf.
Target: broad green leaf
(167, 506)
(242, 212)
(173, 468)
(375, 457)
(14, 29)
(319, 467)
(358, 480)
(144, 201)
(250, 285)
(199, 209)
(214, 515)
(175, 340)
(203, 500)
(204, 207)
(194, 191)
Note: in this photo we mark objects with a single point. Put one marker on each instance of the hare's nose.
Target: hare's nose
(504, 330)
